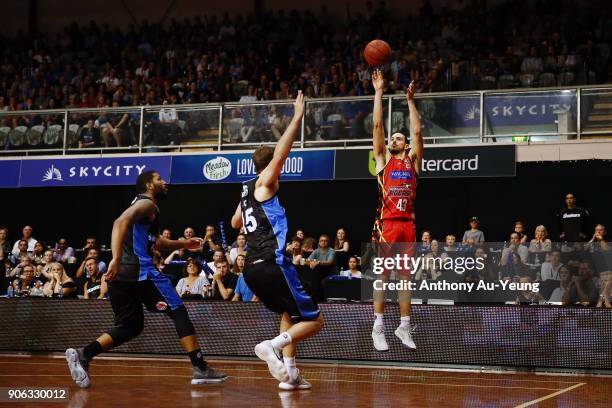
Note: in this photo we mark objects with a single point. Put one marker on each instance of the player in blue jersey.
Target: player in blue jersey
(268, 271)
(133, 280)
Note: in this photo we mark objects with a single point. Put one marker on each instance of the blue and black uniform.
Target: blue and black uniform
(268, 272)
(139, 282)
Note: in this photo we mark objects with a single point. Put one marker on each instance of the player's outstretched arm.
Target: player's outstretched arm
(269, 176)
(192, 244)
(237, 218)
(378, 131)
(416, 150)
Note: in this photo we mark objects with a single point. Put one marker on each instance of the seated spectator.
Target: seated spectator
(605, 297)
(352, 271)
(44, 269)
(211, 268)
(519, 228)
(224, 282)
(63, 253)
(38, 254)
(565, 279)
(295, 251)
(598, 242)
(308, 246)
(299, 234)
(514, 247)
(474, 234)
(116, 128)
(514, 268)
(37, 289)
(5, 249)
(60, 284)
(165, 253)
(242, 292)
(528, 297)
(27, 281)
(21, 252)
(540, 245)
(488, 273)
(241, 248)
(96, 286)
(550, 269)
(170, 131)
(24, 261)
(582, 289)
(323, 255)
(425, 245)
(89, 136)
(212, 243)
(27, 236)
(451, 248)
(91, 253)
(193, 285)
(341, 249)
(90, 242)
(180, 254)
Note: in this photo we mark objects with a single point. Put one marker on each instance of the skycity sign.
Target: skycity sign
(91, 171)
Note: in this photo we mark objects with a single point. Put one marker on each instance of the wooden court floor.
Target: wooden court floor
(149, 383)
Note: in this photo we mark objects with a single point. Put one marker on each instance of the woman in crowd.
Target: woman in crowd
(238, 266)
(516, 268)
(5, 247)
(192, 285)
(540, 245)
(341, 248)
(352, 271)
(565, 278)
(38, 254)
(241, 249)
(527, 296)
(27, 281)
(308, 246)
(60, 284)
(295, 251)
(44, 269)
(242, 292)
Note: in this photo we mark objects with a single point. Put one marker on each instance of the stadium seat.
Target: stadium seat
(397, 121)
(34, 135)
(73, 135)
(4, 134)
(488, 82)
(53, 135)
(368, 123)
(233, 129)
(565, 78)
(527, 80)
(17, 136)
(505, 81)
(547, 79)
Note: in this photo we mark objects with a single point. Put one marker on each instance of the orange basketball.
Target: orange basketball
(377, 53)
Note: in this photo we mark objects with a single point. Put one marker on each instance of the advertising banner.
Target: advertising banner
(9, 173)
(238, 167)
(92, 171)
(472, 161)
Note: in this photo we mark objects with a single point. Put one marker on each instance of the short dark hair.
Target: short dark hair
(262, 157)
(143, 179)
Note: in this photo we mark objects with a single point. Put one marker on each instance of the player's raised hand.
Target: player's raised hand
(411, 91)
(194, 243)
(378, 80)
(298, 106)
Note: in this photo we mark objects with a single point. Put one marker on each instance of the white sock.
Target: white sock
(378, 319)
(405, 321)
(290, 366)
(282, 340)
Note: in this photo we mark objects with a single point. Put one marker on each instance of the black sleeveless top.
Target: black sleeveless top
(137, 258)
(94, 285)
(265, 224)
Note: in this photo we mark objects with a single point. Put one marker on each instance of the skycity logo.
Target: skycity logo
(52, 173)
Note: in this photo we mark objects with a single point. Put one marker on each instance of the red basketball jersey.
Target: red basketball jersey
(397, 184)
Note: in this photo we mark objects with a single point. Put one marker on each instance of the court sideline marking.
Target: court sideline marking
(312, 372)
(554, 394)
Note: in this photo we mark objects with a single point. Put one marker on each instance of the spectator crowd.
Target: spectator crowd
(466, 45)
(576, 269)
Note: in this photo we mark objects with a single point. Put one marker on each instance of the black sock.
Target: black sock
(197, 359)
(92, 349)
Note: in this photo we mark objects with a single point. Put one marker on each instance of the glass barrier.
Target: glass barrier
(180, 127)
(535, 116)
(107, 130)
(446, 119)
(508, 116)
(28, 133)
(536, 272)
(340, 120)
(596, 113)
(255, 123)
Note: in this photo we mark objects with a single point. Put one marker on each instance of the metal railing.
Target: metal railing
(516, 115)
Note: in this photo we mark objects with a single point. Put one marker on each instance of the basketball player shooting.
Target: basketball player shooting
(134, 280)
(397, 169)
(268, 272)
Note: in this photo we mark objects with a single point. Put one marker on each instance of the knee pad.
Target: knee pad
(182, 322)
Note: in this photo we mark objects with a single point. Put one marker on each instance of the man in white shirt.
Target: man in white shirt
(27, 236)
(218, 256)
(550, 270)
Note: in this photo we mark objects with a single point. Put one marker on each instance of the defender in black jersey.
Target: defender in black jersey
(268, 272)
(133, 280)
